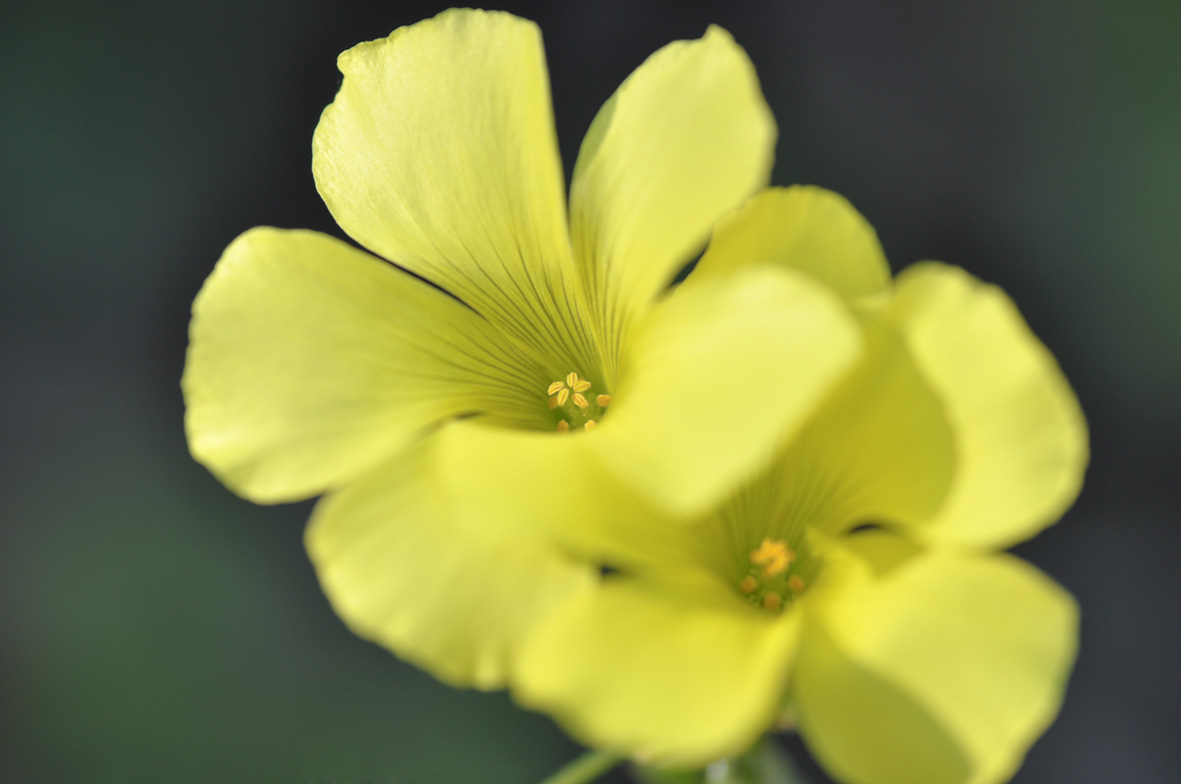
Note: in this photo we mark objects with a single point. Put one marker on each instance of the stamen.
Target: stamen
(796, 583)
(774, 569)
(773, 555)
(772, 600)
(748, 584)
(569, 390)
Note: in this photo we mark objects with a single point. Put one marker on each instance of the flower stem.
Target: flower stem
(586, 768)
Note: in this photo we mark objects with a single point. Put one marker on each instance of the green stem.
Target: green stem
(586, 768)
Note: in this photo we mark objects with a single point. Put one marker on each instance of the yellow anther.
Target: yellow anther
(796, 583)
(775, 568)
(772, 600)
(767, 549)
(563, 426)
(773, 555)
(570, 389)
(748, 584)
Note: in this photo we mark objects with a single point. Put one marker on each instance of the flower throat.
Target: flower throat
(571, 399)
(771, 580)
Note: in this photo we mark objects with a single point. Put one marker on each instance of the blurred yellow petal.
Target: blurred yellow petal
(558, 489)
(449, 592)
(677, 677)
(715, 380)
(309, 361)
(439, 154)
(805, 228)
(684, 140)
(1020, 437)
(931, 668)
(879, 449)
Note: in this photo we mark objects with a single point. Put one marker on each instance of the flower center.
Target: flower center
(570, 398)
(773, 578)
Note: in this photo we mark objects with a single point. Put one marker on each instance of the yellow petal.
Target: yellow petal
(878, 450)
(805, 228)
(451, 593)
(721, 348)
(1021, 441)
(439, 154)
(309, 361)
(930, 668)
(684, 140)
(554, 487)
(676, 676)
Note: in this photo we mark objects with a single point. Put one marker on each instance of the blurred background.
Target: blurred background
(153, 627)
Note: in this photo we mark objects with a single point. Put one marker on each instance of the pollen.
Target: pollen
(583, 409)
(771, 581)
(774, 556)
(574, 382)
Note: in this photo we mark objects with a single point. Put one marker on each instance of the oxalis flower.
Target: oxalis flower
(317, 368)
(855, 588)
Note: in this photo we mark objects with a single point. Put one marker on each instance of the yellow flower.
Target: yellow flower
(316, 368)
(857, 584)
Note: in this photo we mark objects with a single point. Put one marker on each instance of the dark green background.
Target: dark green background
(155, 628)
